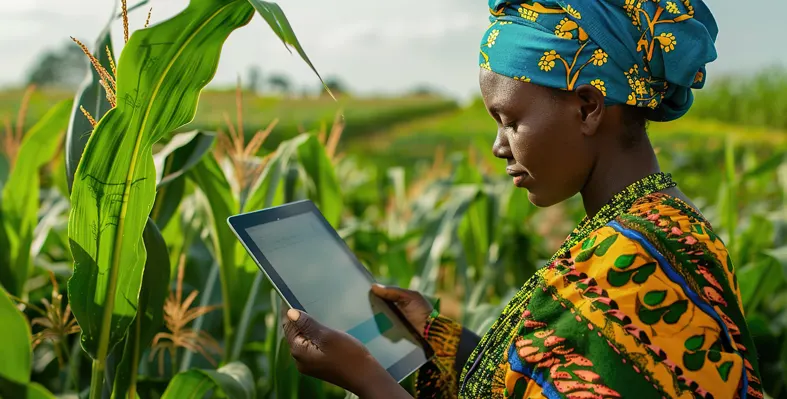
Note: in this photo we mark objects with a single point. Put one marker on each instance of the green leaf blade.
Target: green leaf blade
(21, 194)
(36, 391)
(274, 16)
(235, 284)
(234, 380)
(270, 191)
(174, 161)
(160, 75)
(150, 313)
(327, 190)
(16, 349)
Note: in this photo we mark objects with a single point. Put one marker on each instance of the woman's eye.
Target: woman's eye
(510, 125)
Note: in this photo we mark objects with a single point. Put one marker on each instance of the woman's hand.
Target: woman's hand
(412, 304)
(337, 357)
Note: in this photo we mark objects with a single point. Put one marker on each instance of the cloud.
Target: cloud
(379, 46)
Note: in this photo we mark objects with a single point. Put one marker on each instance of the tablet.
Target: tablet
(315, 271)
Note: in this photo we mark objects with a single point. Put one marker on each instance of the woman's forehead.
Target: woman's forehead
(502, 93)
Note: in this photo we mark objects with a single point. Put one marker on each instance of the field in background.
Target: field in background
(412, 172)
(404, 130)
(411, 132)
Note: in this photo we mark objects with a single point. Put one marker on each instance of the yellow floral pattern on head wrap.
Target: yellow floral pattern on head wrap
(644, 53)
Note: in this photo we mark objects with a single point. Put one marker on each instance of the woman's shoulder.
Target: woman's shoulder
(665, 230)
(656, 290)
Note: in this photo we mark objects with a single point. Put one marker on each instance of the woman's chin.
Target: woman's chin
(540, 200)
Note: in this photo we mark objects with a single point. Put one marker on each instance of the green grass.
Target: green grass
(362, 115)
(416, 141)
(753, 100)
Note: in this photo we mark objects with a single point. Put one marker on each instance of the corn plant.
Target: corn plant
(26, 153)
(17, 354)
(150, 92)
(234, 179)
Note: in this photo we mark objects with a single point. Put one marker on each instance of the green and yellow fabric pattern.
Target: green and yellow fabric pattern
(646, 306)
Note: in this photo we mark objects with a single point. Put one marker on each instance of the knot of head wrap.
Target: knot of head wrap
(644, 53)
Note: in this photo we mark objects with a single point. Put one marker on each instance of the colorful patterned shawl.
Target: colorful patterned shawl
(647, 306)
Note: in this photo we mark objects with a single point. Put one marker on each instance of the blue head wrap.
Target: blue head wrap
(644, 53)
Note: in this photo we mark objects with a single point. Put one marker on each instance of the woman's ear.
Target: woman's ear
(591, 108)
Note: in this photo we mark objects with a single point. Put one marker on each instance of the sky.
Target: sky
(377, 47)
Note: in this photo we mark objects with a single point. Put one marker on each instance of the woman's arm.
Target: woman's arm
(452, 344)
(386, 387)
(383, 386)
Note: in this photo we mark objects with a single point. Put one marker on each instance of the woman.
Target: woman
(641, 300)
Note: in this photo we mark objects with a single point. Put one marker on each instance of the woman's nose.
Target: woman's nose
(500, 148)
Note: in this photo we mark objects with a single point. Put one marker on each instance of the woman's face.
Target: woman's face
(543, 136)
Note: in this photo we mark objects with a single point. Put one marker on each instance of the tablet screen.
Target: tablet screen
(325, 279)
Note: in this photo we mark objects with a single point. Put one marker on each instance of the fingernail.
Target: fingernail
(379, 285)
(293, 315)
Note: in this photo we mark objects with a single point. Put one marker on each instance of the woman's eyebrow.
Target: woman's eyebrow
(496, 109)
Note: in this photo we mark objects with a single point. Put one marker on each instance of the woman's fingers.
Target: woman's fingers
(393, 294)
(302, 332)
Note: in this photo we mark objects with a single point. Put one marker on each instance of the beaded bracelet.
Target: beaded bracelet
(429, 320)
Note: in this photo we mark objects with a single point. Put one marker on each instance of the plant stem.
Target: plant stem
(60, 361)
(246, 316)
(132, 390)
(64, 350)
(72, 377)
(174, 359)
(207, 293)
(97, 379)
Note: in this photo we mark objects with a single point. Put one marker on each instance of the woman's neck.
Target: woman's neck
(616, 170)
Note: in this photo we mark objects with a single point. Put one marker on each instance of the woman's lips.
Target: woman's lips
(519, 180)
(519, 176)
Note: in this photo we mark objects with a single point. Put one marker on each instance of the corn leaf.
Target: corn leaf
(16, 349)
(325, 189)
(21, 195)
(54, 211)
(16, 354)
(437, 240)
(150, 313)
(206, 294)
(765, 167)
(160, 75)
(780, 255)
(759, 280)
(274, 16)
(182, 153)
(36, 391)
(237, 271)
(92, 96)
(235, 281)
(270, 190)
(234, 381)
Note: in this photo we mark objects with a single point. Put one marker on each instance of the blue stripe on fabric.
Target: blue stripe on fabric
(547, 389)
(673, 275)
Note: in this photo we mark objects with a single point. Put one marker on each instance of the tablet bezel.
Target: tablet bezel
(241, 222)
